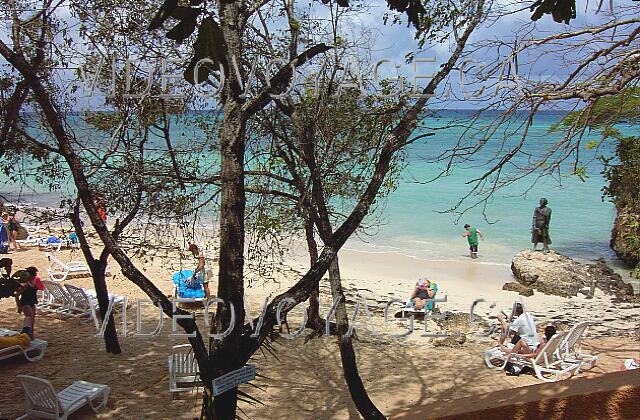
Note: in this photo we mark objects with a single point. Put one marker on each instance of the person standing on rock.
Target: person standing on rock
(540, 226)
(472, 237)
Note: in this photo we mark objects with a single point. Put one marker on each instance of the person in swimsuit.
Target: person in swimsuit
(201, 270)
(11, 227)
(28, 298)
(14, 228)
(424, 290)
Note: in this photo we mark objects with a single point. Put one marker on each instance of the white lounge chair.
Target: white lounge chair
(91, 294)
(32, 241)
(183, 370)
(570, 348)
(59, 271)
(53, 300)
(34, 353)
(548, 365)
(81, 302)
(43, 401)
(62, 303)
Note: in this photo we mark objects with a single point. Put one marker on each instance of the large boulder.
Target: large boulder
(624, 238)
(556, 274)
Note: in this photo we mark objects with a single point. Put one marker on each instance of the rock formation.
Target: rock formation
(625, 229)
(556, 274)
(514, 286)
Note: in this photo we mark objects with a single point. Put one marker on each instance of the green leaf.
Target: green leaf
(592, 144)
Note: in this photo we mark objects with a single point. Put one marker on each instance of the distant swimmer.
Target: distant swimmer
(472, 236)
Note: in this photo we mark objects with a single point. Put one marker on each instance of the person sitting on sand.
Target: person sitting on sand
(424, 290)
(523, 326)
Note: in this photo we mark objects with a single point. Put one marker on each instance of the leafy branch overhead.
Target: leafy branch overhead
(210, 43)
(560, 10)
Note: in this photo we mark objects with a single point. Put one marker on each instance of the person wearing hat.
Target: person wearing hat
(424, 290)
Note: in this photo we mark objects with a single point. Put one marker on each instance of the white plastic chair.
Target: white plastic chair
(92, 295)
(32, 241)
(183, 369)
(82, 303)
(547, 365)
(59, 271)
(34, 353)
(62, 303)
(570, 348)
(43, 401)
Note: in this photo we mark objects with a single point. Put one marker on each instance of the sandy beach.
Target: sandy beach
(306, 379)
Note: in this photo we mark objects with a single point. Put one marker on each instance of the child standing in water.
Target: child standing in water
(472, 237)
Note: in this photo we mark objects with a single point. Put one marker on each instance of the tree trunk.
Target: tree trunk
(314, 322)
(86, 194)
(358, 392)
(98, 272)
(225, 353)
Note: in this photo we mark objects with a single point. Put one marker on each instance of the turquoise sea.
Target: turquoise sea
(413, 221)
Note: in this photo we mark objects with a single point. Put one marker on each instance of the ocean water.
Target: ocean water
(416, 221)
(413, 219)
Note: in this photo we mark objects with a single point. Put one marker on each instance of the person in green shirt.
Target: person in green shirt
(472, 236)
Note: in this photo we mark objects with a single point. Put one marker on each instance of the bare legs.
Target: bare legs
(521, 347)
(545, 247)
(29, 316)
(419, 303)
(12, 240)
(503, 328)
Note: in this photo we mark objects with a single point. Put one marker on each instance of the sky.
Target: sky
(394, 42)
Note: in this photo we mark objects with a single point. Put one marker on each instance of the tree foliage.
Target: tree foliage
(607, 118)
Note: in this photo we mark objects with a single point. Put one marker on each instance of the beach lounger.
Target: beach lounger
(86, 302)
(81, 302)
(184, 290)
(94, 297)
(43, 401)
(32, 241)
(34, 353)
(62, 303)
(183, 370)
(54, 298)
(570, 348)
(548, 365)
(59, 271)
